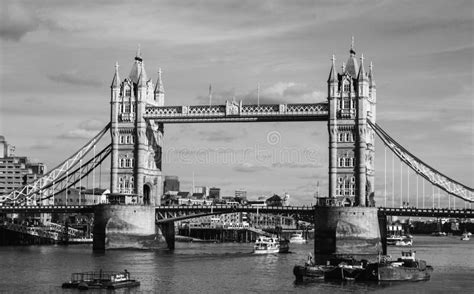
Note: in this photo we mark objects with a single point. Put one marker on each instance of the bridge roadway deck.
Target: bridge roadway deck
(191, 210)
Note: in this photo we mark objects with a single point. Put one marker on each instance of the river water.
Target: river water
(222, 268)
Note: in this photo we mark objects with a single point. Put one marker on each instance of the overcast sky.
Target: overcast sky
(57, 62)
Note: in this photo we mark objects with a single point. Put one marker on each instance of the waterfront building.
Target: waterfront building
(81, 196)
(215, 193)
(16, 171)
(201, 190)
(171, 184)
(241, 194)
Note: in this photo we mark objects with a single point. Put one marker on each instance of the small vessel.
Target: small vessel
(393, 239)
(465, 237)
(265, 245)
(438, 234)
(101, 280)
(297, 238)
(404, 242)
(405, 268)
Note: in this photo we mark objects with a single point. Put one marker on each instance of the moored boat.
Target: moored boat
(101, 280)
(297, 238)
(406, 268)
(465, 237)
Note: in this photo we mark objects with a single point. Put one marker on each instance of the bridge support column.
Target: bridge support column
(346, 232)
(168, 232)
(125, 227)
(383, 231)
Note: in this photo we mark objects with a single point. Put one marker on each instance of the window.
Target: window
(127, 107)
(348, 162)
(128, 92)
(346, 104)
(121, 162)
(121, 139)
(346, 87)
(347, 137)
(132, 161)
(127, 139)
(341, 136)
(127, 162)
(341, 164)
(132, 140)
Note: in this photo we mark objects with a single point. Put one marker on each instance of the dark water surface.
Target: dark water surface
(222, 268)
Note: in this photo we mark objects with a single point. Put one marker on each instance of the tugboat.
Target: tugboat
(405, 268)
(265, 245)
(101, 280)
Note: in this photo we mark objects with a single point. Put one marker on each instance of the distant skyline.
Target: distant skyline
(57, 62)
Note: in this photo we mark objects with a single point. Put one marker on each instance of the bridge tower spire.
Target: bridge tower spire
(351, 148)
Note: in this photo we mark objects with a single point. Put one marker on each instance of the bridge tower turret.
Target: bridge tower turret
(351, 98)
(136, 143)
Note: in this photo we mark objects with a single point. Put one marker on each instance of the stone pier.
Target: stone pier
(126, 227)
(346, 232)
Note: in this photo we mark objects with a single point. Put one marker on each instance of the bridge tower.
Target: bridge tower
(348, 225)
(135, 164)
(352, 98)
(136, 143)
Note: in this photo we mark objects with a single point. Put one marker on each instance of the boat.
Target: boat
(264, 245)
(404, 242)
(465, 237)
(405, 268)
(297, 238)
(393, 239)
(438, 234)
(101, 280)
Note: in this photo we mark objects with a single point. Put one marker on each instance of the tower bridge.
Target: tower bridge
(138, 116)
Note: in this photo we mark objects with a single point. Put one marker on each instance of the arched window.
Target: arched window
(121, 164)
(121, 139)
(347, 137)
(348, 162)
(341, 162)
(127, 162)
(127, 139)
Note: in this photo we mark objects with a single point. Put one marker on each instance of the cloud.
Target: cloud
(42, 144)
(16, 21)
(73, 78)
(222, 136)
(85, 130)
(295, 165)
(249, 168)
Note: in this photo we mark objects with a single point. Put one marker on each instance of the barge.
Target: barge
(101, 280)
(405, 268)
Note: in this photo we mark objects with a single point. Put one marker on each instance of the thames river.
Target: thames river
(222, 268)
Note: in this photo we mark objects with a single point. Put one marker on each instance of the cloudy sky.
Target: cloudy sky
(57, 61)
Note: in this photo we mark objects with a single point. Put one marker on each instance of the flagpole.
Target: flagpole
(258, 94)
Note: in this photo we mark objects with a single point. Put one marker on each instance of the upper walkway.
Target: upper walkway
(237, 112)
